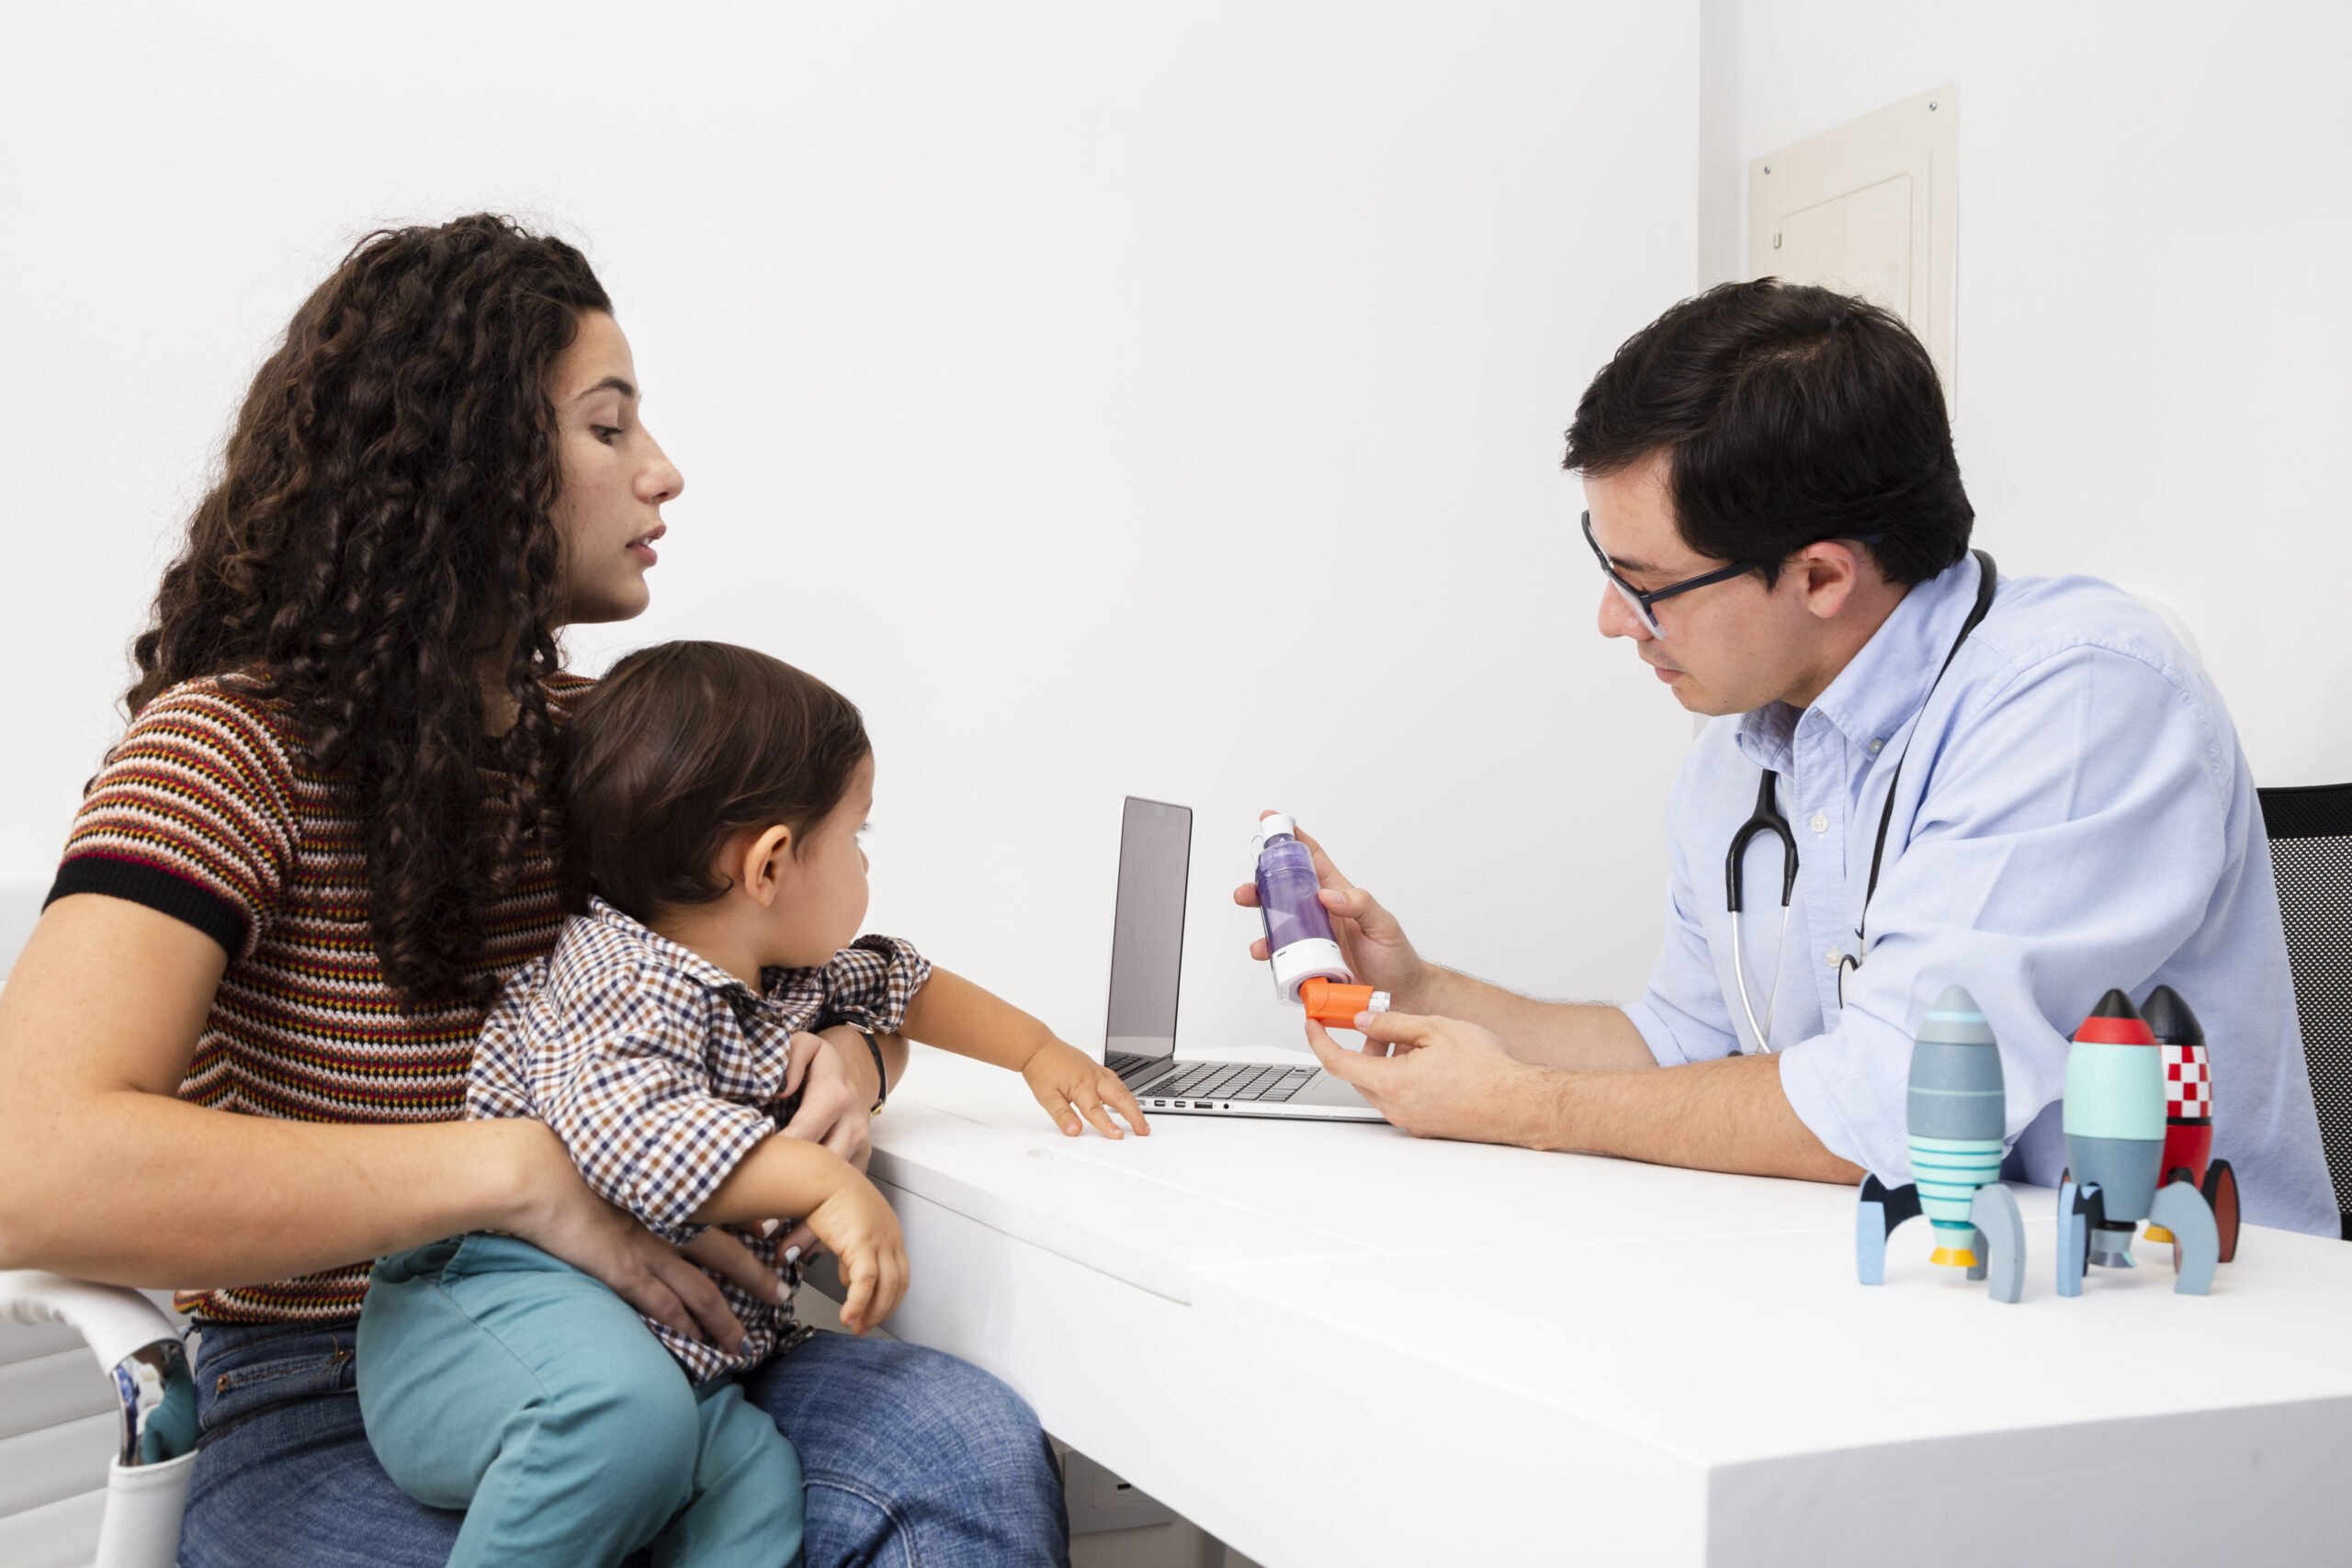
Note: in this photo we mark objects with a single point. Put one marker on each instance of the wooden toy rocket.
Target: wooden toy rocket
(2189, 1115)
(1958, 1117)
(2116, 1176)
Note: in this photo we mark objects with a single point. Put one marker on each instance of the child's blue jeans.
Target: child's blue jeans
(495, 1379)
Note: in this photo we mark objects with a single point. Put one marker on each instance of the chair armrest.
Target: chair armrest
(137, 1346)
(113, 1319)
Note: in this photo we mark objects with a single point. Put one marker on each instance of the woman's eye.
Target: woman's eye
(604, 433)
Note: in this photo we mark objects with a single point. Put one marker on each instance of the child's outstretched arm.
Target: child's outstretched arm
(956, 1015)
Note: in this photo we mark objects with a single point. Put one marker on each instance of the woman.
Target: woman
(234, 1048)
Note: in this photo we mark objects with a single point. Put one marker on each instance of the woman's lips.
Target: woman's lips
(643, 551)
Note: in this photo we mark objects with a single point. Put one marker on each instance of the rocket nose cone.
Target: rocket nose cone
(2115, 1022)
(2115, 1004)
(1957, 999)
(2170, 1020)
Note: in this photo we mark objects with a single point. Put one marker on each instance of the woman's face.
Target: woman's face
(615, 477)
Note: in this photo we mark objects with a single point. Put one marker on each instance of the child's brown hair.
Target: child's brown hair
(681, 746)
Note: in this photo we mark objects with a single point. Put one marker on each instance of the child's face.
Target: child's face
(822, 893)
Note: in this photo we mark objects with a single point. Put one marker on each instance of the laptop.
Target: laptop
(1147, 956)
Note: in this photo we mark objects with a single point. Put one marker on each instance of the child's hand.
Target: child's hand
(1061, 1075)
(864, 1233)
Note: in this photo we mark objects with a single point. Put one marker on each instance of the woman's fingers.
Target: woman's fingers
(719, 1250)
(795, 1065)
(702, 1300)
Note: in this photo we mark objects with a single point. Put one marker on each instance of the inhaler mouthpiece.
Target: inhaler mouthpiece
(1336, 1007)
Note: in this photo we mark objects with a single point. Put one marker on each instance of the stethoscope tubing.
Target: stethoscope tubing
(1767, 818)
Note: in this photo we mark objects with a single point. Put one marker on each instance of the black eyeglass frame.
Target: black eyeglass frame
(1642, 599)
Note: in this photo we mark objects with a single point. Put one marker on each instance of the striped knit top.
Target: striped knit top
(209, 810)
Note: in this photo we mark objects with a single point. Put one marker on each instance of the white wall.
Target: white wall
(2153, 320)
(1050, 377)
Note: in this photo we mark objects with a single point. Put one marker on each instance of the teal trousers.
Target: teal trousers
(494, 1379)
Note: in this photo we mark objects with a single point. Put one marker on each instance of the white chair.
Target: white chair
(94, 1466)
(60, 1507)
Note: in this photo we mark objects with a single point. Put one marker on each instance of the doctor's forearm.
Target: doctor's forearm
(1549, 1035)
(1728, 1115)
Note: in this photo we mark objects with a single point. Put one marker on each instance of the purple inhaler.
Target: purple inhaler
(1298, 929)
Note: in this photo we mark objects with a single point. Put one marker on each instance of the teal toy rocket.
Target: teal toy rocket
(1958, 1117)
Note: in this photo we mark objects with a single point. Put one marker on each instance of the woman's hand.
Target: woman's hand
(832, 1112)
(564, 1219)
(832, 1106)
(1375, 947)
(1061, 1075)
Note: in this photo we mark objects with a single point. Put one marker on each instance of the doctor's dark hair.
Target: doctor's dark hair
(685, 744)
(1790, 414)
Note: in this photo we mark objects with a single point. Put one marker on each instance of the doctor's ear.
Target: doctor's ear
(1829, 572)
(760, 863)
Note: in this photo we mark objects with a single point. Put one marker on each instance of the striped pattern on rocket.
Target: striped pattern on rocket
(2114, 1118)
(1959, 1111)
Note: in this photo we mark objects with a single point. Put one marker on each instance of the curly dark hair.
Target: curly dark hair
(381, 531)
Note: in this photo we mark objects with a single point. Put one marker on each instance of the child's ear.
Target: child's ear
(763, 865)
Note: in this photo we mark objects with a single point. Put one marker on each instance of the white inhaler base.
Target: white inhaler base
(1315, 958)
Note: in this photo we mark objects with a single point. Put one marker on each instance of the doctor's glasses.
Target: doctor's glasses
(1640, 601)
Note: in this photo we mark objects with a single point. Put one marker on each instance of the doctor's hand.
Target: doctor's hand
(1374, 945)
(1443, 1078)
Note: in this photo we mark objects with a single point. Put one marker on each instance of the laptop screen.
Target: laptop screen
(1147, 934)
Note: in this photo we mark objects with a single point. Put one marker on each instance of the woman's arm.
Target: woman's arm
(106, 1174)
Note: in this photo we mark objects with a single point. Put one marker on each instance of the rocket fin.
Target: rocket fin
(2181, 1209)
(1994, 1214)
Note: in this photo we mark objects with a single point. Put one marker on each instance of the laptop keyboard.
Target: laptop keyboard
(1233, 1081)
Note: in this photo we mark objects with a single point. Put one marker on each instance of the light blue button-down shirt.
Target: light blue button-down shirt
(2073, 814)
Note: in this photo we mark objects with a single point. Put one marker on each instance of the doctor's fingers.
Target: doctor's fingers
(1395, 1034)
(1366, 1074)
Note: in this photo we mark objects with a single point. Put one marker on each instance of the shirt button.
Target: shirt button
(1834, 957)
(1876, 747)
(1820, 823)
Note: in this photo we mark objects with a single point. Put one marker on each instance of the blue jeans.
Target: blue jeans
(911, 1457)
(498, 1380)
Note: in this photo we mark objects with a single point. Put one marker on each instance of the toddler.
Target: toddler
(714, 797)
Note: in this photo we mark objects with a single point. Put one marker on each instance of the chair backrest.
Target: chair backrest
(2311, 855)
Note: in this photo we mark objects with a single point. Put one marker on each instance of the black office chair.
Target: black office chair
(2311, 854)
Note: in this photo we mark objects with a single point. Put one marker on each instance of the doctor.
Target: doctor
(2025, 787)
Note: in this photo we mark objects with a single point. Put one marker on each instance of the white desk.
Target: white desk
(1330, 1344)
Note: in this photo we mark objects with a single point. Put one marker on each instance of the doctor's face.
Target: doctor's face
(1728, 647)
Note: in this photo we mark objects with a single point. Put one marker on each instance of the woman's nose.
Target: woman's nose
(659, 479)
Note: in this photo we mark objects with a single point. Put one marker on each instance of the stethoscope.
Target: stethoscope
(1768, 819)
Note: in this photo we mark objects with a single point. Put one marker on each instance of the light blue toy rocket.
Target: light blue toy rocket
(2115, 1125)
(1958, 1119)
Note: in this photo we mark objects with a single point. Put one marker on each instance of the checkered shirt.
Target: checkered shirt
(661, 1071)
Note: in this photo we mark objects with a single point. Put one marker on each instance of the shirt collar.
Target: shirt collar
(1886, 681)
(682, 960)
